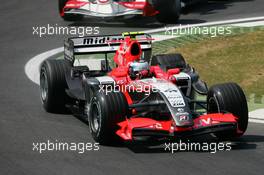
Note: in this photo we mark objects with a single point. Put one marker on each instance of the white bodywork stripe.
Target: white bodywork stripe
(105, 80)
(168, 89)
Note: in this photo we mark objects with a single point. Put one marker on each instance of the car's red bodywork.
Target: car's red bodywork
(142, 126)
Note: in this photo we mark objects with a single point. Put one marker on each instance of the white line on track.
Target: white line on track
(33, 65)
(216, 23)
(257, 116)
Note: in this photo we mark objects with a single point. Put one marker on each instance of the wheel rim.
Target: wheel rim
(95, 118)
(44, 88)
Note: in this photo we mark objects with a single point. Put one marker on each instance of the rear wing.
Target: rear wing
(102, 44)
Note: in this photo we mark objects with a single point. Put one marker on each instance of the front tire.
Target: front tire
(229, 97)
(106, 110)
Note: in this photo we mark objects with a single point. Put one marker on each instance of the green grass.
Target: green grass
(236, 58)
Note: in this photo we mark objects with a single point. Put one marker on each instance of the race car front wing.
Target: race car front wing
(109, 8)
(204, 124)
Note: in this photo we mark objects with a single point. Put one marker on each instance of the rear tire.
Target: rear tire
(229, 97)
(68, 17)
(169, 10)
(169, 61)
(53, 86)
(104, 114)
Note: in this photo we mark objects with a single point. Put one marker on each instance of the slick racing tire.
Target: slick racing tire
(169, 61)
(169, 10)
(106, 110)
(68, 17)
(53, 86)
(229, 97)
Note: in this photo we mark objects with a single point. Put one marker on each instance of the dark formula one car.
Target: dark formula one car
(135, 94)
(164, 10)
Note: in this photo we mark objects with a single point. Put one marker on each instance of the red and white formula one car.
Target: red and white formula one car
(135, 95)
(165, 10)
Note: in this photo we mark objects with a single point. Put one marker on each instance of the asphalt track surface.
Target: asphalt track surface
(23, 121)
